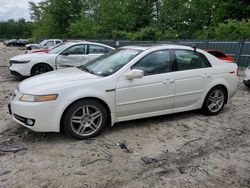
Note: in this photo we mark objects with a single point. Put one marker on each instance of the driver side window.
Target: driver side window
(76, 50)
(155, 63)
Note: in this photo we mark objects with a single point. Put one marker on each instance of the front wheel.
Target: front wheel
(40, 69)
(85, 119)
(214, 101)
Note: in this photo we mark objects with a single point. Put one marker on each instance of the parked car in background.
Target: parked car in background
(221, 55)
(21, 42)
(15, 42)
(128, 83)
(68, 54)
(246, 79)
(45, 44)
(10, 42)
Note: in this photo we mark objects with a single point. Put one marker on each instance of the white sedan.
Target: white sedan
(125, 84)
(69, 54)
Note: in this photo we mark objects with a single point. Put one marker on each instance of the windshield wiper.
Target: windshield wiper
(86, 69)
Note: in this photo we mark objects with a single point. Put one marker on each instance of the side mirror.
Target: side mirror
(64, 53)
(134, 73)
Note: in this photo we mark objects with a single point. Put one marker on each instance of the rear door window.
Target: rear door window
(187, 59)
(96, 49)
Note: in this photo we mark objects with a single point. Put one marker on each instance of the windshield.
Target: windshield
(43, 42)
(111, 62)
(58, 48)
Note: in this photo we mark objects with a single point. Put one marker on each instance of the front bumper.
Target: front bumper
(20, 70)
(42, 114)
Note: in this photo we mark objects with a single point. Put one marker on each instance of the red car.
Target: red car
(37, 50)
(221, 55)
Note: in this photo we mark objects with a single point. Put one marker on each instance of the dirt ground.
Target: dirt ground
(180, 150)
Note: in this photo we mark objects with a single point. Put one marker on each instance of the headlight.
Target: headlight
(38, 98)
(20, 62)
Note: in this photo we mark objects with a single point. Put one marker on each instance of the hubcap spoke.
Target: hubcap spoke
(85, 110)
(76, 119)
(92, 125)
(81, 129)
(95, 115)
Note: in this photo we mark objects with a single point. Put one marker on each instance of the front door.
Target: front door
(72, 57)
(152, 93)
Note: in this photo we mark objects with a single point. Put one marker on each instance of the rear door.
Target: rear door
(72, 57)
(192, 75)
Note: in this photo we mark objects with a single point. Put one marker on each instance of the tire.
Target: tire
(85, 119)
(40, 69)
(247, 85)
(214, 101)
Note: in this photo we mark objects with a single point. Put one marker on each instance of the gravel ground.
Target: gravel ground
(180, 150)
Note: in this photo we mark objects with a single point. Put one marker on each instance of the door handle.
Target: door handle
(168, 81)
(171, 81)
(206, 76)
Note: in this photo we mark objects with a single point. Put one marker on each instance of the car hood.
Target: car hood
(34, 44)
(55, 80)
(40, 55)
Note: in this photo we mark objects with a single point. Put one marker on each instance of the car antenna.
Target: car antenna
(194, 47)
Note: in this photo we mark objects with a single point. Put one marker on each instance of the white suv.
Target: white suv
(68, 54)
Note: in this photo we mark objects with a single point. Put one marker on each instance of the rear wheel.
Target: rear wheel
(214, 101)
(85, 119)
(40, 69)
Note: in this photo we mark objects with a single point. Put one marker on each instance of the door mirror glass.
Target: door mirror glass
(133, 74)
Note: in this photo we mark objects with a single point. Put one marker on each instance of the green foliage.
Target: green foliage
(135, 19)
(233, 29)
(15, 29)
(56, 16)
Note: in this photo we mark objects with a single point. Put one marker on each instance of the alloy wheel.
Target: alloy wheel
(86, 120)
(216, 100)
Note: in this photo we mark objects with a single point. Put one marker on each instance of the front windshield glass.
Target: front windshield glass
(59, 48)
(43, 42)
(111, 62)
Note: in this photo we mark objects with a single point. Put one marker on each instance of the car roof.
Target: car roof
(159, 46)
(86, 42)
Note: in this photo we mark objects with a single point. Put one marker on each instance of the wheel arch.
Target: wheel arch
(93, 98)
(222, 86)
(40, 63)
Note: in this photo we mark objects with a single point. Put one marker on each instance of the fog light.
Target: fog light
(30, 122)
